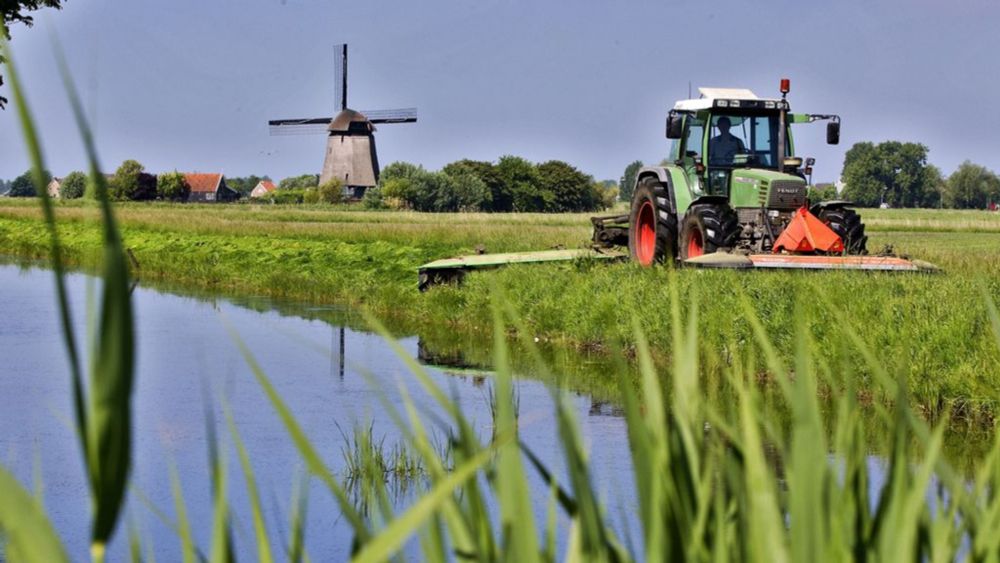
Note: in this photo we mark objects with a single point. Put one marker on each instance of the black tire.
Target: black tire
(655, 240)
(848, 226)
(709, 227)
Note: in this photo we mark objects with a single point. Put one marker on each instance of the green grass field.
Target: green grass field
(931, 328)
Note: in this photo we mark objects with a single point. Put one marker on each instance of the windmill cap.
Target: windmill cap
(350, 120)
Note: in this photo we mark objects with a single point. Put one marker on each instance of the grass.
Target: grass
(934, 326)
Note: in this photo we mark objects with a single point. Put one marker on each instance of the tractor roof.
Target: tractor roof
(710, 95)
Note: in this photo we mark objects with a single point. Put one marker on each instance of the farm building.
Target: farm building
(55, 184)
(209, 187)
(263, 188)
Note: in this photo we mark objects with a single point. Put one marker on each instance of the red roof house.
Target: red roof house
(263, 188)
(209, 187)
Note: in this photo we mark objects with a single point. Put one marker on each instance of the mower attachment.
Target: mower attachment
(809, 262)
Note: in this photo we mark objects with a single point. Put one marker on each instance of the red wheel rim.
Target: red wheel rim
(645, 248)
(696, 247)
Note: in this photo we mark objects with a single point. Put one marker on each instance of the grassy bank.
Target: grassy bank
(933, 329)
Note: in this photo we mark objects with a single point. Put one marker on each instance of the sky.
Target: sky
(189, 85)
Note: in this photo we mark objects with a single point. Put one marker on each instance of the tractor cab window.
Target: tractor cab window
(692, 141)
(729, 139)
(744, 140)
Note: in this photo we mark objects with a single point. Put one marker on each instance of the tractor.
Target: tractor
(732, 195)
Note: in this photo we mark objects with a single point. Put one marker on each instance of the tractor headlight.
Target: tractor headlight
(722, 103)
(769, 105)
(734, 103)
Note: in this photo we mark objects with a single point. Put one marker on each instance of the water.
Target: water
(189, 365)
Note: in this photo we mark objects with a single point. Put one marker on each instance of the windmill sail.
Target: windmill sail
(340, 77)
(318, 125)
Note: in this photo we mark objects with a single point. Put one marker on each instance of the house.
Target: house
(209, 187)
(55, 184)
(263, 188)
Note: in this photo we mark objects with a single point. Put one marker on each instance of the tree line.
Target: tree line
(511, 184)
(896, 174)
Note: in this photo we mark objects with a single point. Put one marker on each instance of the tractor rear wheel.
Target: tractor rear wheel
(708, 227)
(652, 226)
(848, 226)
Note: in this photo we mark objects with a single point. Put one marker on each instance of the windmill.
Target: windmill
(350, 144)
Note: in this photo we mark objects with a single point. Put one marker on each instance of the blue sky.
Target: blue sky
(190, 85)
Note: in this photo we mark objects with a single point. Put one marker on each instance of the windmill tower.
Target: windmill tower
(350, 143)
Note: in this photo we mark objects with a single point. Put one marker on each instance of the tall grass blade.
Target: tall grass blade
(516, 512)
(26, 529)
(393, 537)
(259, 525)
(307, 451)
(188, 552)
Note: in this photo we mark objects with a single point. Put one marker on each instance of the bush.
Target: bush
(74, 185)
(373, 199)
(172, 186)
(310, 195)
(286, 196)
(331, 192)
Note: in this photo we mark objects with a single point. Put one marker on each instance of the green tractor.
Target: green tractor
(733, 195)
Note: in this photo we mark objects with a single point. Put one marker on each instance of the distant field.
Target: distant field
(934, 329)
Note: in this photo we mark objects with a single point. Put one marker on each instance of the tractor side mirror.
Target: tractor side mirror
(833, 133)
(675, 126)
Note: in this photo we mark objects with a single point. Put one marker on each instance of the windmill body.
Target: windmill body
(350, 146)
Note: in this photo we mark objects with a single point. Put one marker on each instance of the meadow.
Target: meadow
(715, 480)
(932, 328)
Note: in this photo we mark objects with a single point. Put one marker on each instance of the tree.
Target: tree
(501, 199)
(894, 172)
(971, 186)
(172, 186)
(627, 183)
(566, 189)
(332, 191)
(132, 183)
(16, 11)
(463, 190)
(301, 182)
(23, 186)
(606, 193)
(73, 185)
(520, 178)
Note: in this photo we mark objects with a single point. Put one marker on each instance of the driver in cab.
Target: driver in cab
(724, 147)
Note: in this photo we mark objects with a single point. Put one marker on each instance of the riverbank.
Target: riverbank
(934, 330)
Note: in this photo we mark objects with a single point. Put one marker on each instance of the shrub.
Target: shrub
(331, 192)
(286, 196)
(74, 185)
(172, 186)
(373, 199)
(310, 195)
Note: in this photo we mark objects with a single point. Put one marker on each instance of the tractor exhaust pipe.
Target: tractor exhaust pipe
(782, 119)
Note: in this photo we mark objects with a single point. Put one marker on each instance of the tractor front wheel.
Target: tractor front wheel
(652, 227)
(848, 226)
(707, 228)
